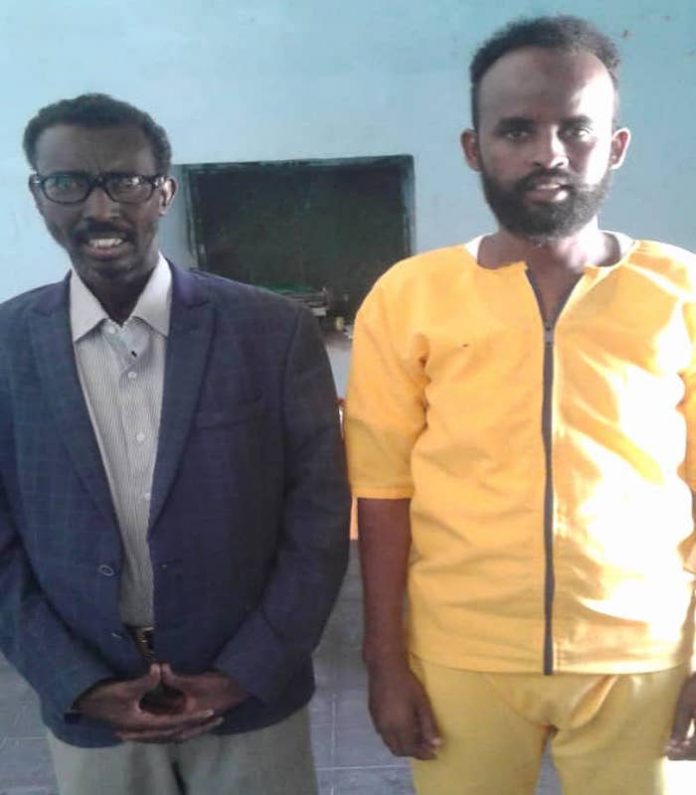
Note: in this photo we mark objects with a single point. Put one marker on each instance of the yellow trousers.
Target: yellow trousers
(606, 733)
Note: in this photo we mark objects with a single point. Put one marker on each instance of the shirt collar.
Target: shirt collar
(153, 306)
(624, 243)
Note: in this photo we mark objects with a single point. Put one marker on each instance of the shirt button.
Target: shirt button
(110, 329)
(106, 570)
(132, 375)
(140, 437)
(147, 496)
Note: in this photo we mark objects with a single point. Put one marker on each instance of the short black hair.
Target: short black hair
(560, 32)
(98, 111)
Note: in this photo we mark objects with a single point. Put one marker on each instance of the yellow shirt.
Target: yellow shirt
(548, 469)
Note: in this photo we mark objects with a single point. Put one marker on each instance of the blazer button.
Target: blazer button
(106, 570)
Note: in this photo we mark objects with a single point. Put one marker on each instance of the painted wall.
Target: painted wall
(236, 80)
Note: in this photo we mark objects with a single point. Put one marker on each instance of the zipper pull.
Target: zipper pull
(548, 334)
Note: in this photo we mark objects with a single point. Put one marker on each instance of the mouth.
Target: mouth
(104, 247)
(546, 187)
(547, 190)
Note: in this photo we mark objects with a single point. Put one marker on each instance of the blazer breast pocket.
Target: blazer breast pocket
(234, 414)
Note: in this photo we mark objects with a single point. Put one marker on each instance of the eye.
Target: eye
(516, 135)
(578, 132)
(129, 187)
(65, 183)
(125, 182)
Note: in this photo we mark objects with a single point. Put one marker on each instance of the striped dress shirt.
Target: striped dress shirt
(121, 370)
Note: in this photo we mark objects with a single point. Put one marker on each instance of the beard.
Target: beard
(544, 221)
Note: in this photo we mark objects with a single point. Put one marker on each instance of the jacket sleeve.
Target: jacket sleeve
(32, 636)
(313, 548)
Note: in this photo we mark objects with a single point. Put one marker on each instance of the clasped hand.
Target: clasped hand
(162, 706)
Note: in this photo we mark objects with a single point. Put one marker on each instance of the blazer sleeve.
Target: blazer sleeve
(32, 636)
(313, 549)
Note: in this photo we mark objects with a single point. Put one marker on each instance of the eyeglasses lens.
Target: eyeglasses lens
(129, 189)
(74, 188)
(66, 189)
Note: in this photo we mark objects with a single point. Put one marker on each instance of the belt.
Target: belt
(144, 638)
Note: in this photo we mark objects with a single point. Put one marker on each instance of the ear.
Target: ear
(620, 140)
(167, 194)
(469, 142)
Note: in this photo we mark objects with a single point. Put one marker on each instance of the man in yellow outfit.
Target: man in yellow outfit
(521, 423)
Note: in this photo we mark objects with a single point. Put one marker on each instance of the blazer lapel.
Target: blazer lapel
(51, 338)
(190, 333)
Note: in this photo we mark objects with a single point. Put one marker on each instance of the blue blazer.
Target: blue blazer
(248, 526)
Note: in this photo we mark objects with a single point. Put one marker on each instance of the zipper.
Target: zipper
(546, 431)
(549, 325)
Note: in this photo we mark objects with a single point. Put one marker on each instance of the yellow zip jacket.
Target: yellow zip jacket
(549, 469)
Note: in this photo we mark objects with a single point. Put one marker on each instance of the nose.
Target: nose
(550, 151)
(99, 205)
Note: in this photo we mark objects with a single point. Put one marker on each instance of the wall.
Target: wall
(236, 80)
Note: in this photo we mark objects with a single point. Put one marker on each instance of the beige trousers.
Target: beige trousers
(273, 761)
(606, 733)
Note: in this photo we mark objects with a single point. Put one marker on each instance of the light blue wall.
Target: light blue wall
(278, 79)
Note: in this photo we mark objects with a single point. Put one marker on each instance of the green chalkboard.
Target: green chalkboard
(305, 225)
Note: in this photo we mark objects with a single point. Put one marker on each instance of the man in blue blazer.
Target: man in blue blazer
(173, 508)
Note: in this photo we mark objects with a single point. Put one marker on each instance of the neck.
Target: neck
(589, 246)
(118, 298)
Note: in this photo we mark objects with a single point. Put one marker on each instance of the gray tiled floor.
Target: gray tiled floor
(350, 758)
(25, 766)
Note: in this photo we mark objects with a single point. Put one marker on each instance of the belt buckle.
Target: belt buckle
(144, 640)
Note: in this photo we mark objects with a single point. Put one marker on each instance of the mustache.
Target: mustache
(546, 175)
(90, 229)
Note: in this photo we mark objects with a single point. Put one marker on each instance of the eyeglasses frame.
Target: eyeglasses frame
(155, 181)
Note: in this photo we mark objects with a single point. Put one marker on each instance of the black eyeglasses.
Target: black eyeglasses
(73, 187)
